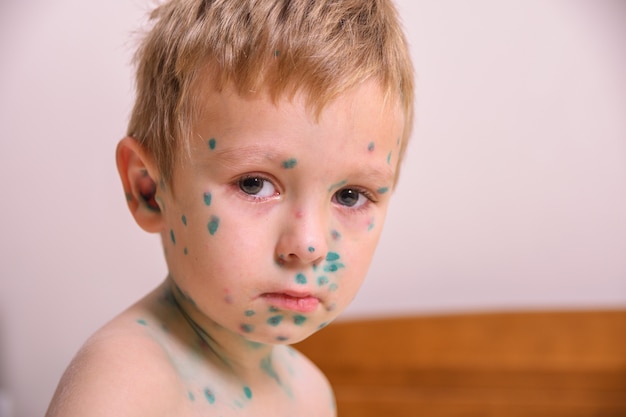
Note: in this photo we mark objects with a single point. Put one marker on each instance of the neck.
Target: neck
(229, 350)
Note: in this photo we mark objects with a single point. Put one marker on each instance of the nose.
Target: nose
(303, 239)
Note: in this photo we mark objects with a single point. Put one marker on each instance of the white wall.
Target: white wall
(513, 195)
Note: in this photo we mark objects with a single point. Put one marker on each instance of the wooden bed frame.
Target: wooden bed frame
(553, 364)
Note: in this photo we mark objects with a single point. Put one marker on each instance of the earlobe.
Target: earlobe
(139, 178)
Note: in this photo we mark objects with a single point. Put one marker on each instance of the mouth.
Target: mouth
(301, 303)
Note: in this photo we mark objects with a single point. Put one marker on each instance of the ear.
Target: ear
(139, 175)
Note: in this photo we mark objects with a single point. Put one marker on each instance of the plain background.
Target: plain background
(513, 195)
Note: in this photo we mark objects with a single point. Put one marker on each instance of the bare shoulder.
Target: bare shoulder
(311, 387)
(119, 371)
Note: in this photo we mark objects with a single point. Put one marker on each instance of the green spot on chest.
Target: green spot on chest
(210, 397)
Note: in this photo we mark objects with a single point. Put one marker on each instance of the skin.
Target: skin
(268, 227)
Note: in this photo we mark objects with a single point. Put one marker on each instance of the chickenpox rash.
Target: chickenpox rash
(290, 163)
(207, 199)
(389, 158)
(382, 190)
(335, 235)
(213, 224)
(211, 143)
(371, 147)
(337, 185)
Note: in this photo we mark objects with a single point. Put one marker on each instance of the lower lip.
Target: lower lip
(287, 302)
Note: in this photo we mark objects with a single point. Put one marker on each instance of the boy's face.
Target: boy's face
(270, 224)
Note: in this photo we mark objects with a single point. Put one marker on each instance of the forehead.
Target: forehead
(256, 127)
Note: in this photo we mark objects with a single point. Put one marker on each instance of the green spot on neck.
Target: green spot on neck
(247, 392)
(212, 142)
(172, 237)
(184, 219)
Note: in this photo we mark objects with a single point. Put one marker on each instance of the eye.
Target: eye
(351, 197)
(257, 187)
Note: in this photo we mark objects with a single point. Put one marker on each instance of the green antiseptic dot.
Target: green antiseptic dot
(249, 313)
(207, 199)
(184, 219)
(247, 392)
(389, 158)
(371, 146)
(321, 281)
(212, 143)
(333, 287)
(172, 236)
(186, 251)
(301, 279)
(383, 190)
(332, 256)
(290, 163)
(298, 320)
(311, 249)
(142, 322)
(210, 397)
(274, 320)
(213, 225)
(247, 328)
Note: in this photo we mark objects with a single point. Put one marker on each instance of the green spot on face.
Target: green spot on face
(383, 190)
(186, 251)
(311, 249)
(337, 185)
(389, 158)
(301, 279)
(142, 322)
(299, 320)
(213, 225)
(249, 313)
(207, 199)
(184, 219)
(273, 309)
(212, 143)
(247, 392)
(335, 235)
(274, 320)
(333, 267)
(371, 146)
(172, 236)
(321, 326)
(210, 397)
(247, 328)
(332, 256)
(321, 281)
(290, 163)
(333, 287)
(282, 338)
(191, 396)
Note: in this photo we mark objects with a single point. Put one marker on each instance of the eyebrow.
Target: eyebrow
(251, 154)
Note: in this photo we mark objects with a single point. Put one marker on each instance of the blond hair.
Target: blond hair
(320, 48)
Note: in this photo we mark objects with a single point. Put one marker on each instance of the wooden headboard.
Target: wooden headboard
(553, 364)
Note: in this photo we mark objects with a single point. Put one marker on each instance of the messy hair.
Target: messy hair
(320, 48)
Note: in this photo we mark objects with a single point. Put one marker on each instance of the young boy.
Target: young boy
(263, 147)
